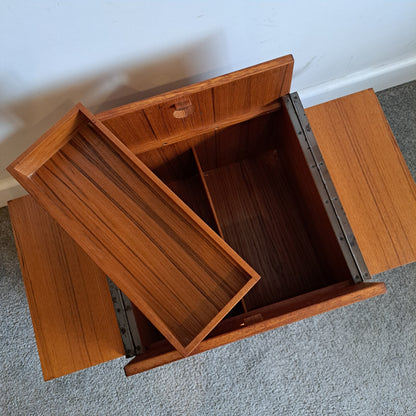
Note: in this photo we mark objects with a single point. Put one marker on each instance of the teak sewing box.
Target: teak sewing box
(180, 186)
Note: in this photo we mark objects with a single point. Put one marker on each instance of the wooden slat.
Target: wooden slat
(169, 263)
(263, 319)
(69, 300)
(215, 103)
(370, 176)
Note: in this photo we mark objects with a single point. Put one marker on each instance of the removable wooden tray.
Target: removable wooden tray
(173, 266)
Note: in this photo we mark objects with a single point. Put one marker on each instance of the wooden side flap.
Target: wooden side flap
(371, 177)
(201, 107)
(72, 312)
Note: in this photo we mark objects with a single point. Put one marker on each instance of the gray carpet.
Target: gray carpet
(358, 360)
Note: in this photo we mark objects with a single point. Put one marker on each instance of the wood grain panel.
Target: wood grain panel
(370, 176)
(263, 319)
(173, 162)
(169, 263)
(214, 103)
(237, 142)
(259, 217)
(248, 93)
(198, 134)
(69, 300)
(132, 125)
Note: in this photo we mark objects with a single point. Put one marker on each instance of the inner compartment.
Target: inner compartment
(250, 182)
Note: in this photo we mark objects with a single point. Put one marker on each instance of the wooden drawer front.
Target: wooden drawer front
(261, 320)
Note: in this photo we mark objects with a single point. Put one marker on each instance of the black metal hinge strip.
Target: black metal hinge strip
(126, 321)
(327, 190)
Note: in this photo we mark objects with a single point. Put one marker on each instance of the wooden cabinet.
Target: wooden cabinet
(235, 181)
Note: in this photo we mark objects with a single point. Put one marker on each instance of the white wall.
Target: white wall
(107, 53)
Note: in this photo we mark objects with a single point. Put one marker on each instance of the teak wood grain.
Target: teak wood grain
(259, 217)
(229, 149)
(213, 104)
(371, 177)
(69, 300)
(263, 319)
(170, 264)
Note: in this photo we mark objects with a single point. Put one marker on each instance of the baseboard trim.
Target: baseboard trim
(378, 78)
(10, 189)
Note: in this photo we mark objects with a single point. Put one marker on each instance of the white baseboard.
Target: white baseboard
(10, 189)
(378, 78)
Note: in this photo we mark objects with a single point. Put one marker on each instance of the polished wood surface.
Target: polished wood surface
(260, 218)
(170, 264)
(237, 142)
(192, 192)
(371, 177)
(227, 149)
(69, 300)
(211, 104)
(263, 319)
(170, 163)
(177, 167)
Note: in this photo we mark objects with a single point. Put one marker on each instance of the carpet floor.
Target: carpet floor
(357, 360)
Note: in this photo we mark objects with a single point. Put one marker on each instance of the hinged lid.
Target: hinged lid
(372, 180)
(202, 107)
(178, 271)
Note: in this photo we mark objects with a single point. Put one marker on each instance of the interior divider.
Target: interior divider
(204, 182)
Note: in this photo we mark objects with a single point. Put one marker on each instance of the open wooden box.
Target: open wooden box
(240, 152)
(260, 185)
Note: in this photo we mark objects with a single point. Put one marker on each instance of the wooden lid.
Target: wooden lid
(202, 107)
(179, 272)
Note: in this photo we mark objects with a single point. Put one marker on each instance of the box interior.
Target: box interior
(251, 184)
